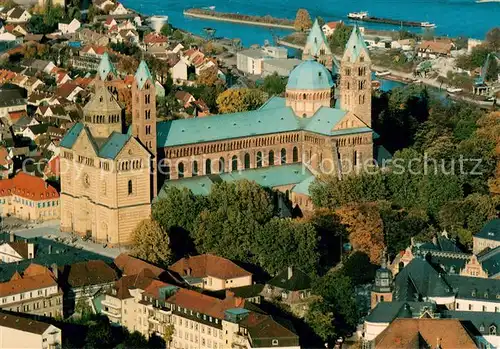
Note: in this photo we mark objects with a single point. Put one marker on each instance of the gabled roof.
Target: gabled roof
(28, 186)
(491, 231)
(208, 265)
(273, 117)
(316, 40)
(101, 100)
(297, 281)
(21, 247)
(419, 333)
(70, 138)
(113, 145)
(130, 265)
(355, 46)
(87, 273)
(386, 312)
(22, 324)
(142, 75)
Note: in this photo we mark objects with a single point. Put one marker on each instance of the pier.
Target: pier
(263, 21)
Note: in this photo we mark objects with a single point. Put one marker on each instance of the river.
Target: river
(452, 17)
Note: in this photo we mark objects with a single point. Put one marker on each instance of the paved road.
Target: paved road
(50, 229)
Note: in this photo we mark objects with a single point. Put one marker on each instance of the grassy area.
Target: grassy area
(297, 38)
(392, 59)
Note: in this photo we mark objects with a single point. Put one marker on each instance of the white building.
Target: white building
(69, 28)
(20, 332)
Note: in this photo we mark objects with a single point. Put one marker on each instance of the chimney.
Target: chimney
(12, 237)
(412, 241)
(46, 185)
(434, 240)
(31, 251)
(54, 269)
(290, 272)
(50, 249)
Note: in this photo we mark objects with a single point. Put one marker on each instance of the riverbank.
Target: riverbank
(262, 21)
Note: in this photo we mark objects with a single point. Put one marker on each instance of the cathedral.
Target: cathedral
(110, 174)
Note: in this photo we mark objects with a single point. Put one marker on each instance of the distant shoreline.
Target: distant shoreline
(223, 17)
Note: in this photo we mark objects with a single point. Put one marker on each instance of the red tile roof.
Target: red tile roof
(53, 167)
(204, 304)
(29, 187)
(441, 47)
(33, 279)
(333, 25)
(155, 38)
(418, 333)
(208, 265)
(16, 115)
(131, 266)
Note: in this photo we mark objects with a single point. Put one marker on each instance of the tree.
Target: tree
(208, 76)
(150, 242)
(321, 21)
(234, 215)
(83, 308)
(177, 35)
(168, 335)
(274, 84)
(364, 224)
(493, 70)
(166, 30)
(282, 243)
(99, 334)
(359, 268)
(135, 340)
(239, 100)
(493, 38)
(338, 40)
(320, 317)
(302, 20)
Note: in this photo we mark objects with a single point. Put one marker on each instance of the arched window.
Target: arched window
(259, 159)
(208, 166)
(195, 168)
(283, 156)
(234, 163)
(247, 161)
(180, 170)
(130, 188)
(271, 158)
(295, 155)
(221, 165)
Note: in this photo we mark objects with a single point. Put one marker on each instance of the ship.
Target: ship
(481, 1)
(364, 17)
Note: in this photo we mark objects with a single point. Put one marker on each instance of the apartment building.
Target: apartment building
(35, 291)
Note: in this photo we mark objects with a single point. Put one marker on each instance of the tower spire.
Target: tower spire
(106, 67)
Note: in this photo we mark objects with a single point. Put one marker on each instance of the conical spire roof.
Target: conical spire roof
(106, 67)
(355, 46)
(316, 39)
(142, 75)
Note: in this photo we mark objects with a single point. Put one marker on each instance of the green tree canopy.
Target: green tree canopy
(151, 242)
(274, 84)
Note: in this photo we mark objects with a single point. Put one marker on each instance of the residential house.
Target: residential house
(53, 113)
(103, 5)
(34, 291)
(425, 333)
(18, 29)
(69, 28)
(434, 49)
(29, 198)
(201, 108)
(211, 272)
(179, 71)
(185, 98)
(110, 23)
(38, 97)
(20, 332)
(35, 131)
(11, 100)
(291, 286)
(92, 38)
(6, 163)
(489, 236)
(19, 124)
(39, 65)
(129, 265)
(6, 36)
(118, 9)
(93, 51)
(18, 15)
(405, 45)
(154, 41)
(68, 91)
(126, 36)
(329, 28)
(15, 251)
(85, 281)
(250, 61)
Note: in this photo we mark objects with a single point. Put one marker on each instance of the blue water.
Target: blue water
(452, 17)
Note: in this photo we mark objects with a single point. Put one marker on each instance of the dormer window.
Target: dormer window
(474, 293)
(275, 342)
(493, 330)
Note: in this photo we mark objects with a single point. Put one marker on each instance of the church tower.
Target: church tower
(317, 47)
(383, 287)
(107, 76)
(144, 115)
(355, 78)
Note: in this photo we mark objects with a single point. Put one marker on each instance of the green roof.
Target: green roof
(491, 230)
(310, 75)
(475, 288)
(355, 45)
(109, 149)
(481, 320)
(386, 312)
(315, 39)
(142, 75)
(70, 137)
(297, 282)
(490, 261)
(303, 187)
(273, 117)
(48, 252)
(249, 291)
(106, 67)
(114, 144)
(270, 177)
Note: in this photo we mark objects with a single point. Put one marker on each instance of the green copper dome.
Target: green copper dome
(310, 75)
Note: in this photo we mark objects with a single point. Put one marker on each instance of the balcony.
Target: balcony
(111, 313)
(110, 305)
